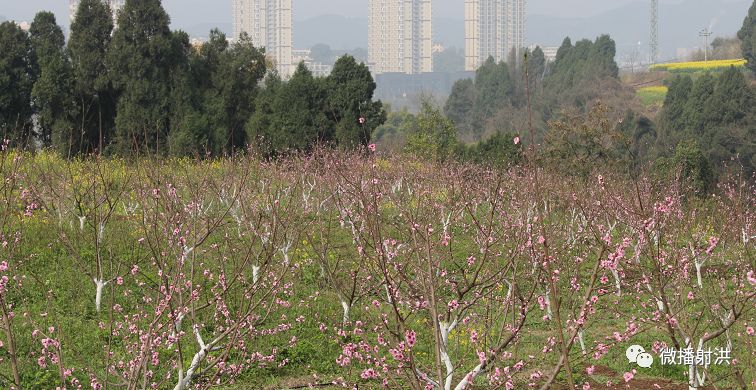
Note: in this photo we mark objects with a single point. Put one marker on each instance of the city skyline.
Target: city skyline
(493, 28)
(269, 24)
(400, 36)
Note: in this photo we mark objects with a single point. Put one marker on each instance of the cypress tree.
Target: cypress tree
(93, 100)
(17, 72)
(51, 94)
(140, 63)
(747, 35)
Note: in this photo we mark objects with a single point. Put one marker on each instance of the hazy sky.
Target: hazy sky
(192, 12)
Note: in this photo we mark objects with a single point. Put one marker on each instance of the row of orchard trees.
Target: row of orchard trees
(142, 87)
(399, 273)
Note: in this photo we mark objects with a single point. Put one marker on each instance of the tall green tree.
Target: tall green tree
(460, 105)
(188, 132)
(747, 35)
(51, 94)
(242, 67)
(140, 65)
(300, 122)
(493, 88)
(260, 130)
(350, 102)
(93, 98)
(17, 73)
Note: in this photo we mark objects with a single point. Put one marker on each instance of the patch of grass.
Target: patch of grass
(652, 96)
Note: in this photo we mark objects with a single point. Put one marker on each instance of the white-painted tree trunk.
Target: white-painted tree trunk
(617, 284)
(548, 306)
(81, 223)
(100, 232)
(255, 274)
(581, 340)
(695, 379)
(699, 264)
(345, 308)
(445, 330)
(184, 380)
(100, 286)
(388, 294)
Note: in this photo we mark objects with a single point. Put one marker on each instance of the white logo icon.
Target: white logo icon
(645, 360)
(637, 354)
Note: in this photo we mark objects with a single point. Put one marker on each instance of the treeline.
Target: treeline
(140, 87)
(583, 117)
(486, 114)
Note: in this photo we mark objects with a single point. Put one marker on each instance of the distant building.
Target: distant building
(493, 28)
(400, 34)
(269, 25)
(115, 6)
(305, 55)
(549, 52)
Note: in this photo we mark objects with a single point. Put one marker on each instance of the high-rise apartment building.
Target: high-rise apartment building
(115, 6)
(400, 36)
(269, 24)
(492, 28)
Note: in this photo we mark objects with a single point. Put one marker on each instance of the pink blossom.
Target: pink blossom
(516, 140)
(750, 330)
(372, 147)
(411, 337)
(628, 376)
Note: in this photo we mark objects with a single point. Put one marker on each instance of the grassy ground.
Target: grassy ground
(652, 96)
(55, 260)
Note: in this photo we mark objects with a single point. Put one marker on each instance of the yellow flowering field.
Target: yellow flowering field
(698, 66)
(653, 95)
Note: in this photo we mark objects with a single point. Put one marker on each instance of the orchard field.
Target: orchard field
(364, 271)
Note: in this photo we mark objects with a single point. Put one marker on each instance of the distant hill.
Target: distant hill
(627, 24)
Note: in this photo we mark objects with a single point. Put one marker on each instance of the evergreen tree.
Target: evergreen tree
(299, 121)
(693, 118)
(140, 63)
(675, 103)
(602, 56)
(16, 82)
(51, 94)
(493, 88)
(235, 82)
(460, 105)
(188, 135)
(747, 35)
(94, 105)
(350, 102)
(259, 128)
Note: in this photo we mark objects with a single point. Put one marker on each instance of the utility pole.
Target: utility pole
(705, 33)
(654, 31)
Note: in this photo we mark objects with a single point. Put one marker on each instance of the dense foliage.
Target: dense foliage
(747, 35)
(142, 88)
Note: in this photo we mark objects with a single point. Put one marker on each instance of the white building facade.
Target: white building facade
(400, 36)
(115, 6)
(493, 28)
(269, 24)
